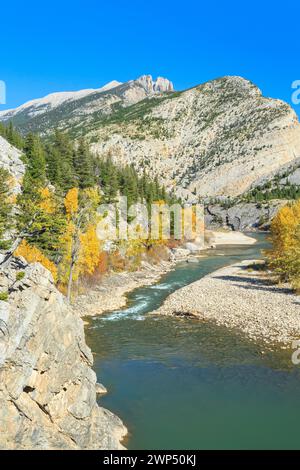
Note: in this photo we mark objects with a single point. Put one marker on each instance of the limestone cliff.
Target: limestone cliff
(10, 159)
(47, 386)
(221, 138)
(242, 216)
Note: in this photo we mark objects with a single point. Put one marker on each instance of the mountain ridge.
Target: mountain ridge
(41, 106)
(217, 139)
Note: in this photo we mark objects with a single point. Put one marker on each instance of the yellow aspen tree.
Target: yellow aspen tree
(34, 255)
(81, 207)
(284, 257)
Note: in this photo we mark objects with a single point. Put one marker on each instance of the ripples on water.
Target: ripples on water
(183, 384)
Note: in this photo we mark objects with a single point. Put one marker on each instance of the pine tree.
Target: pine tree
(13, 137)
(53, 165)
(156, 188)
(129, 185)
(108, 179)
(83, 166)
(63, 156)
(35, 158)
(40, 219)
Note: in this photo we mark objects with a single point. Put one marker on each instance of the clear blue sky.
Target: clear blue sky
(68, 45)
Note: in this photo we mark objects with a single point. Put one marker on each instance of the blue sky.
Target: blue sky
(64, 45)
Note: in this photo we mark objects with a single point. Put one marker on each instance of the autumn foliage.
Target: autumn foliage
(284, 257)
(53, 219)
(34, 255)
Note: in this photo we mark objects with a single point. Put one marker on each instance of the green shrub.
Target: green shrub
(20, 275)
(4, 296)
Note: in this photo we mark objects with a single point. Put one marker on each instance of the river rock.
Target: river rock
(100, 389)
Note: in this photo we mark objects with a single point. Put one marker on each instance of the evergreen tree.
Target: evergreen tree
(40, 219)
(53, 165)
(63, 157)
(129, 185)
(35, 158)
(13, 137)
(108, 179)
(83, 166)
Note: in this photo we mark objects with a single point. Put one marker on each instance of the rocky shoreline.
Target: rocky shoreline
(111, 294)
(244, 298)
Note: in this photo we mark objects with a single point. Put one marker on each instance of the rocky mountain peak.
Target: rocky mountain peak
(154, 86)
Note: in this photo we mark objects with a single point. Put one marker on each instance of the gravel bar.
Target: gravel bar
(242, 298)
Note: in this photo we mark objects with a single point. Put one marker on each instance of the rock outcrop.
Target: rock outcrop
(47, 386)
(159, 85)
(242, 216)
(10, 159)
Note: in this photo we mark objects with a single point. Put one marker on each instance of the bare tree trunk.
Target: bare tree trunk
(70, 281)
(72, 264)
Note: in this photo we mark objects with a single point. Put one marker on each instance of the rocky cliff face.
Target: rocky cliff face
(10, 159)
(47, 386)
(242, 216)
(217, 139)
(159, 85)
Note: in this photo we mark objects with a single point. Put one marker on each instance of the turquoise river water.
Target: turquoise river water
(182, 384)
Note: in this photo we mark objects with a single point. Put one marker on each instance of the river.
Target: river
(183, 384)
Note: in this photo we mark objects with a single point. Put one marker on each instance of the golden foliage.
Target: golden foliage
(71, 202)
(82, 247)
(34, 255)
(284, 257)
(47, 203)
(89, 254)
(64, 265)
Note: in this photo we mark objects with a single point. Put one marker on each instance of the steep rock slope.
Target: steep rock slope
(217, 139)
(242, 216)
(10, 159)
(47, 386)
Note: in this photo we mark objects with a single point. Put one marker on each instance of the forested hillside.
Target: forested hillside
(53, 219)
